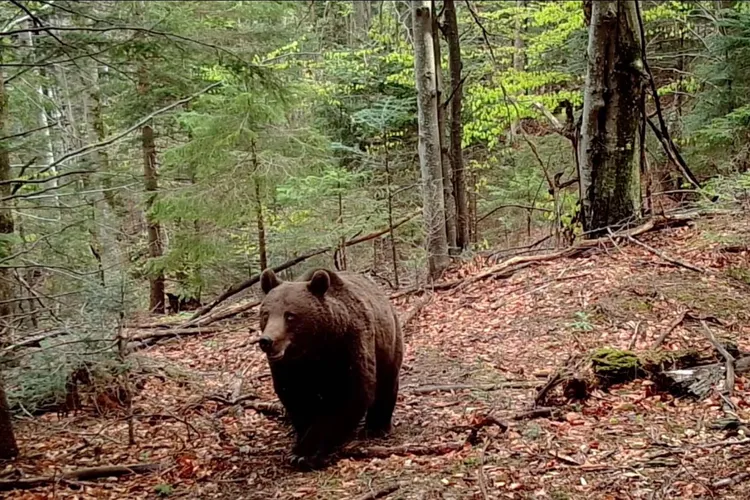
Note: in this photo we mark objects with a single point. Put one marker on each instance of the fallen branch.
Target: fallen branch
(173, 332)
(223, 314)
(634, 338)
(513, 384)
(145, 339)
(147, 326)
(512, 205)
(414, 312)
(731, 480)
(698, 380)
(677, 322)
(448, 285)
(34, 341)
(537, 413)
(237, 288)
(84, 474)
(480, 473)
(666, 257)
(566, 459)
(382, 492)
(728, 358)
(404, 449)
(508, 267)
(523, 248)
(263, 407)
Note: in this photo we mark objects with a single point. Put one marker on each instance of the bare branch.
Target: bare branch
(96, 146)
(513, 205)
(27, 132)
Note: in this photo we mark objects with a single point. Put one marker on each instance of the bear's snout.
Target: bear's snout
(265, 344)
(273, 343)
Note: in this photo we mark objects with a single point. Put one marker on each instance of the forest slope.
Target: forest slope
(506, 335)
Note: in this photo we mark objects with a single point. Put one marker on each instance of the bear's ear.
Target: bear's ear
(319, 283)
(268, 281)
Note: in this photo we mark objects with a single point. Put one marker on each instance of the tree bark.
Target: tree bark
(456, 126)
(101, 157)
(8, 447)
(429, 139)
(389, 197)
(360, 19)
(519, 57)
(609, 173)
(156, 279)
(262, 257)
(445, 166)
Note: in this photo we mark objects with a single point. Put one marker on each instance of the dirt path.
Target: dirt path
(626, 443)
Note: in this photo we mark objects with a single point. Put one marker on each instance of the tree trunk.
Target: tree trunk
(360, 19)
(445, 166)
(8, 447)
(88, 104)
(263, 258)
(609, 171)
(389, 196)
(156, 279)
(101, 157)
(456, 126)
(262, 255)
(429, 139)
(519, 58)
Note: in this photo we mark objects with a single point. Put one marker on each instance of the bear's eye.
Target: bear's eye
(289, 316)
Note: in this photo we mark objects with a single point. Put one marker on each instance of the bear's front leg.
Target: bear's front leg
(326, 433)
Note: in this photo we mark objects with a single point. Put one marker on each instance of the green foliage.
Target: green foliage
(163, 489)
(582, 322)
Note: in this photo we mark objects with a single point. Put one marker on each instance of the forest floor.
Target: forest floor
(624, 443)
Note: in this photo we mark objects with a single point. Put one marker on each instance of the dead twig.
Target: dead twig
(566, 459)
(726, 442)
(677, 322)
(480, 472)
(512, 384)
(172, 332)
(223, 314)
(262, 407)
(665, 257)
(633, 340)
(80, 475)
(537, 413)
(731, 480)
(400, 450)
(414, 311)
(380, 493)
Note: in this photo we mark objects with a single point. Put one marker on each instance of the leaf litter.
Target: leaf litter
(627, 442)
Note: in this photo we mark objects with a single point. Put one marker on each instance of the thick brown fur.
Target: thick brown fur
(335, 349)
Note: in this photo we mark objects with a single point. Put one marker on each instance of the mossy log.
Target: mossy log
(685, 372)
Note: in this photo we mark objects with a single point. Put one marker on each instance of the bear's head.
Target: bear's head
(293, 313)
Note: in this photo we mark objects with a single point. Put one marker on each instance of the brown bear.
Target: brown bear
(334, 345)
